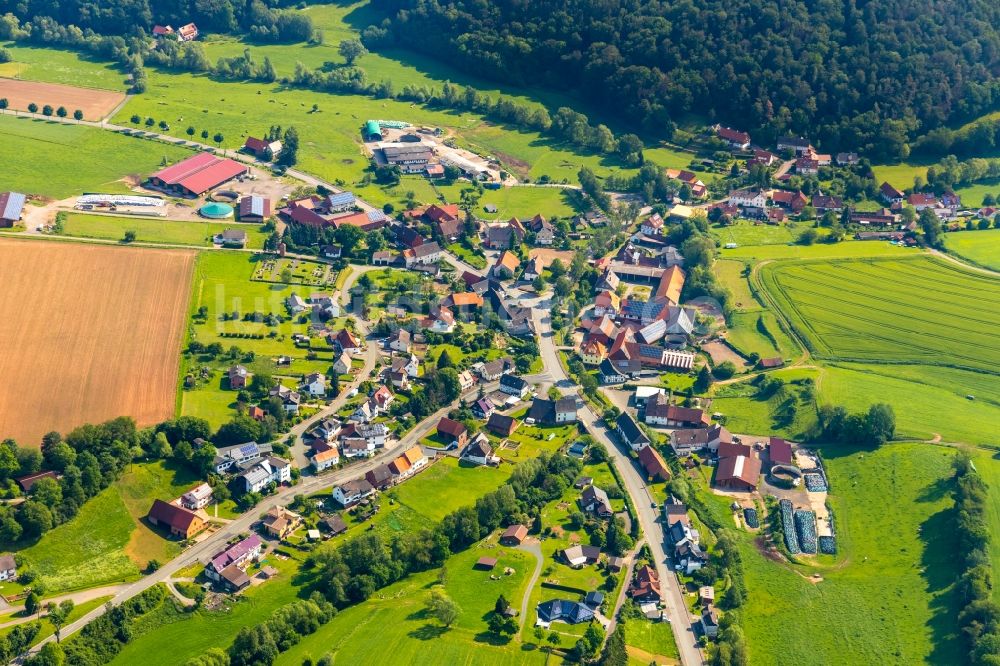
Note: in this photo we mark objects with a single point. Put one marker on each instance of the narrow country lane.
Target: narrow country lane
(646, 507)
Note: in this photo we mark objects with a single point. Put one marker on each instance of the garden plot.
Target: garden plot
(295, 271)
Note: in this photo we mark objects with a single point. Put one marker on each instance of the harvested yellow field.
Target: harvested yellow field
(89, 333)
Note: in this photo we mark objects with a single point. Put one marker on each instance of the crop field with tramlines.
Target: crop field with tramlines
(916, 310)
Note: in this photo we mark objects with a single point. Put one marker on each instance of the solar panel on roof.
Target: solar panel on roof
(257, 205)
(248, 449)
(341, 198)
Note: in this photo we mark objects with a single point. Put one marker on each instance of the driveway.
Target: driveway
(535, 548)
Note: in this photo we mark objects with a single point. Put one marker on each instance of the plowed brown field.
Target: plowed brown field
(88, 333)
(95, 104)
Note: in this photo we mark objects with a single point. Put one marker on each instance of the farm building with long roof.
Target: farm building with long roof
(198, 174)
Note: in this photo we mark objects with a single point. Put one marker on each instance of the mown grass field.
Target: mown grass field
(89, 550)
(53, 65)
(730, 274)
(108, 542)
(972, 195)
(58, 161)
(745, 232)
(889, 597)
(988, 464)
(156, 230)
(844, 249)
(979, 247)
(759, 332)
(927, 400)
(917, 311)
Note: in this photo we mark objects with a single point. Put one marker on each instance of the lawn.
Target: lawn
(446, 485)
(745, 232)
(927, 400)
(77, 159)
(988, 464)
(919, 310)
(79, 610)
(521, 202)
(156, 230)
(844, 249)
(53, 65)
(655, 638)
(730, 273)
(107, 541)
(748, 412)
(979, 247)
(972, 195)
(889, 598)
(89, 550)
(759, 332)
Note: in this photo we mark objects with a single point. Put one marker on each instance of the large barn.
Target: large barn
(198, 174)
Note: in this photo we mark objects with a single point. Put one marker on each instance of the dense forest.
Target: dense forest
(849, 74)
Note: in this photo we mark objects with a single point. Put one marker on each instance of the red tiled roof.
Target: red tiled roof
(200, 172)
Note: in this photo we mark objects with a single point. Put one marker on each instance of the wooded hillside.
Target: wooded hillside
(863, 75)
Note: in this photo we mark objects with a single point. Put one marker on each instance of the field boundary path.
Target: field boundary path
(647, 509)
(535, 548)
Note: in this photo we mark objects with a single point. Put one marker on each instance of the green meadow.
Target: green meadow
(108, 542)
(52, 65)
(927, 400)
(887, 596)
(76, 159)
(919, 310)
(979, 247)
(157, 230)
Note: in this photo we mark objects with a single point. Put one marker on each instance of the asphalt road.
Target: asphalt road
(647, 508)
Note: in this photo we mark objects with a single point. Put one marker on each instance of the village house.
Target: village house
(342, 365)
(180, 522)
(324, 457)
(452, 433)
(314, 384)
(533, 268)
(890, 194)
(561, 610)
(409, 463)
(630, 432)
(796, 144)
(493, 370)
(424, 254)
(351, 492)
(238, 555)
(593, 352)
(513, 385)
(580, 556)
(653, 463)
(734, 138)
(480, 452)
(553, 412)
(594, 500)
(502, 425)
(197, 498)
(280, 522)
(645, 585)
(346, 341)
(380, 477)
(506, 266)
(514, 535)
(652, 225)
(326, 430)
(228, 457)
(262, 148)
(400, 340)
(290, 399)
